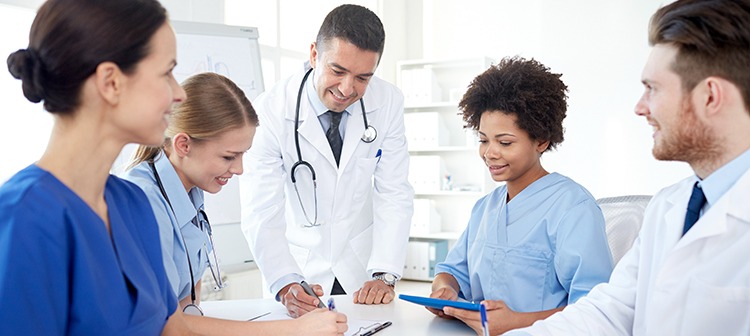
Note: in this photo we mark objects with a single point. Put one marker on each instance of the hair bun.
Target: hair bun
(26, 66)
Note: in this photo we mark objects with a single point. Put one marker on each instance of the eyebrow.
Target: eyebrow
(338, 66)
(497, 135)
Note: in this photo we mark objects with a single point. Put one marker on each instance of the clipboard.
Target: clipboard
(438, 303)
(372, 329)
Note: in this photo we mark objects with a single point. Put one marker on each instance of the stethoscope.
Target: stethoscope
(369, 135)
(192, 308)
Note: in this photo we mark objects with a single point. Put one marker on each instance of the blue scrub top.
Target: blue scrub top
(61, 273)
(544, 249)
(186, 209)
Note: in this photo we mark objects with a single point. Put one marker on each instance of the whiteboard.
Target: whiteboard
(234, 52)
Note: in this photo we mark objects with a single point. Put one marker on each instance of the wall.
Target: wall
(600, 48)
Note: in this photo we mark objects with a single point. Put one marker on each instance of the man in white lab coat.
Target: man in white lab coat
(347, 232)
(688, 272)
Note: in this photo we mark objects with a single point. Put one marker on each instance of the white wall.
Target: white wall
(600, 48)
(598, 45)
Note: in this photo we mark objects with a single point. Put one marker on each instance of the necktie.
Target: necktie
(697, 200)
(333, 135)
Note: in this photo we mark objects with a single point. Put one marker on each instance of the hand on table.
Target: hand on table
(322, 322)
(500, 318)
(296, 301)
(443, 293)
(374, 292)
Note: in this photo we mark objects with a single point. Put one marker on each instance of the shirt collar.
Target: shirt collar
(716, 185)
(312, 97)
(185, 205)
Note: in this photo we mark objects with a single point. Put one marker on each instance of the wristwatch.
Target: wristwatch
(387, 278)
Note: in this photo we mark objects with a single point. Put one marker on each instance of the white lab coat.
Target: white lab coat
(666, 285)
(365, 204)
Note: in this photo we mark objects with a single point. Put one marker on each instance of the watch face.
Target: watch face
(389, 277)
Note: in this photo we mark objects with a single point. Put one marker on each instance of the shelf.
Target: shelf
(445, 149)
(451, 193)
(433, 105)
(482, 62)
(438, 235)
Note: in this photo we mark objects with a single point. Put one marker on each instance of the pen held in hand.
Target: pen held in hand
(310, 292)
(483, 312)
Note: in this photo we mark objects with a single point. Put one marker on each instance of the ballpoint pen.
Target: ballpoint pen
(483, 312)
(310, 292)
(331, 305)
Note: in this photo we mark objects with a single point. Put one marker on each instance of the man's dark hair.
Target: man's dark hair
(526, 89)
(354, 24)
(712, 37)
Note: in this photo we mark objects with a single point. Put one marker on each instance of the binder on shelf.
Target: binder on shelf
(422, 257)
(420, 86)
(426, 173)
(426, 219)
(425, 130)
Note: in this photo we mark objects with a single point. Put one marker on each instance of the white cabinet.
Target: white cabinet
(445, 167)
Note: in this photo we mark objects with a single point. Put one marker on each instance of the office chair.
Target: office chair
(623, 216)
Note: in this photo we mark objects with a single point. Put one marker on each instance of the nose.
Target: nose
(347, 86)
(641, 107)
(491, 152)
(236, 167)
(178, 93)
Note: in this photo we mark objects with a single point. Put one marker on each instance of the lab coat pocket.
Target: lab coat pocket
(716, 310)
(363, 178)
(300, 255)
(362, 245)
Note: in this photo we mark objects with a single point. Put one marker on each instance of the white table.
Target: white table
(408, 318)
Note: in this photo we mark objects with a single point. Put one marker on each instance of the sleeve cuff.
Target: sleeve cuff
(378, 270)
(284, 281)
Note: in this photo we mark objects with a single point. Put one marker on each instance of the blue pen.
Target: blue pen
(379, 155)
(483, 312)
(331, 305)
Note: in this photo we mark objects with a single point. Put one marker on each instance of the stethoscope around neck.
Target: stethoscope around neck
(192, 308)
(369, 135)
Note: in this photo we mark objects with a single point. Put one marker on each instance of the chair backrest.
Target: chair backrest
(623, 216)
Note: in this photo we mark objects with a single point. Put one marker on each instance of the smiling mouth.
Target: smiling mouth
(223, 179)
(338, 97)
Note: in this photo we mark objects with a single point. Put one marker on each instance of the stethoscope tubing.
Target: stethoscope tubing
(369, 135)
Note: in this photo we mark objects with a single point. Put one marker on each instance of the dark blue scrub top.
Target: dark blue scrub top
(62, 274)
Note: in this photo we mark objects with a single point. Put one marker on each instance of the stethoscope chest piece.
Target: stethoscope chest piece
(370, 134)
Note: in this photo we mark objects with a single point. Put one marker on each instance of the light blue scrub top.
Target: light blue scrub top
(544, 249)
(186, 208)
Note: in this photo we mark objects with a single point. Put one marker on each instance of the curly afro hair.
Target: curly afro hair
(520, 87)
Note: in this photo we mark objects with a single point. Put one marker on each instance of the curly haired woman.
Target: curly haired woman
(538, 242)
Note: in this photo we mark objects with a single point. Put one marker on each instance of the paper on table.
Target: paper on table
(354, 326)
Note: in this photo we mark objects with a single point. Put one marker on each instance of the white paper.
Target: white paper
(355, 326)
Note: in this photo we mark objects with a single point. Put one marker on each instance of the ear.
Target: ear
(108, 79)
(712, 95)
(542, 146)
(313, 54)
(182, 144)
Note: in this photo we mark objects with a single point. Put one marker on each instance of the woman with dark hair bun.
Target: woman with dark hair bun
(80, 251)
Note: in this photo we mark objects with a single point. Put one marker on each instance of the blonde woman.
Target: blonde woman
(208, 134)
